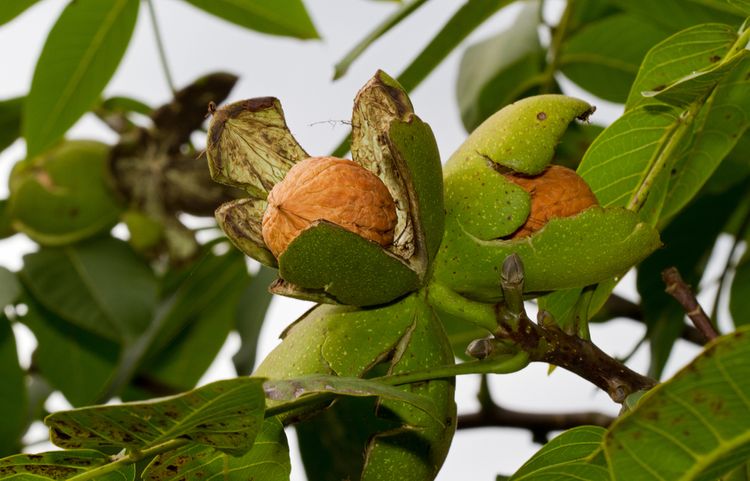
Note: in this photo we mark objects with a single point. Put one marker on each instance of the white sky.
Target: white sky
(299, 74)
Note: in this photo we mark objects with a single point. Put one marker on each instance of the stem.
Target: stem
(160, 46)
(131, 458)
(677, 288)
(453, 303)
(558, 37)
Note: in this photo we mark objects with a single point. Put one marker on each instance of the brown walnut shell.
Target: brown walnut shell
(328, 188)
(556, 192)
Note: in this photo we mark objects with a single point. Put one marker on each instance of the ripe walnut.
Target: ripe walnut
(327, 188)
(556, 192)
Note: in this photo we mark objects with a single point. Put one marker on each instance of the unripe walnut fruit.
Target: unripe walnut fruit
(556, 192)
(327, 188)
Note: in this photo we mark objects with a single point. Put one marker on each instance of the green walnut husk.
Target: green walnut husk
(250, 147)
(64, 195)
(484, 209)
(391, 440)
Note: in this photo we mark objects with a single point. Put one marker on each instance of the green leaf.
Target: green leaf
(73, 360)
(674, 15)
(616, 162)
(739, 300)
(696, 421)
(292, 389)
(570, 471)
(694, 49)
(64, 195)
(391, 21)
(226, 415)
(573, 445)
(11, 9)
(268, 460)
(10, 289)
(281, 17)
(251, 313)
(501, 69)
(603, 57)
(60, 465)
(13, 398)
(719, 128)
(10, 118)
(6, 229)
(79, 57)
(100, 285)
(468, 17)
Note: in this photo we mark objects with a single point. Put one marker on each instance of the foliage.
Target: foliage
(141, 320)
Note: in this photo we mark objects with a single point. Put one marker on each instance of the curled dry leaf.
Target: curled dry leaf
(327, 188)
(556, 192)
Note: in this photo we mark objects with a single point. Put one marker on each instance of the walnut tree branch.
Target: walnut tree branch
(677, 288)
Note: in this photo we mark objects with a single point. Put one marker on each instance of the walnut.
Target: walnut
(556, 192)
(327, 188)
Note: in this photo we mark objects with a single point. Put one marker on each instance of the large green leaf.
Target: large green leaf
(60, 465)
(501, 69)
(468, 17)
(10, 289)
(691, 50)
(72, 360)
(739, 300)
(268, 460)
(100, 285)
(674, 15)
(226, 415)
(572, 446)
(12, 392)
(79, 57)
(251, 313)
(603, 57)
(692, 427)
(280, 17)
(10, 119)
(11, 9)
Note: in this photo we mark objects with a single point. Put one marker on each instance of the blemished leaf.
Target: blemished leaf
(81, 54)
(251, 312)
(603, 57)
(268, 460)
(59, 465)
(280, 17)
(13, 399)
(739, 297)
(74, 361)
(692, 427)
(691, 50)
(101, 286)
(292, 389)
(10, 120)
(225, 415)
(11, 9)
(406, 9)
(10, 289)
(468, 17)
(572, 446)
(501, 69)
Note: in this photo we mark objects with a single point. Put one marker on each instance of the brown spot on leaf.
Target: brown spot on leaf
(541, 116)
(714, 58)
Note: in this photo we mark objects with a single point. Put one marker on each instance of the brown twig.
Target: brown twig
(677, 288)
(539, 424)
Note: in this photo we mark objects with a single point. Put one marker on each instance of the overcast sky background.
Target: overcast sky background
(299, 73)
